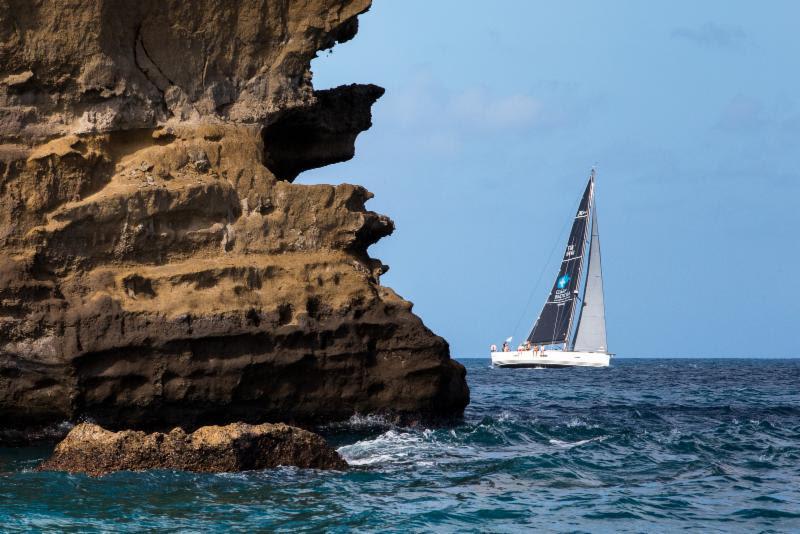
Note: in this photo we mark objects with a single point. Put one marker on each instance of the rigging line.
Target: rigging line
(541, 274)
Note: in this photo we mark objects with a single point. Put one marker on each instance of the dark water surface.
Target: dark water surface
(646, 445)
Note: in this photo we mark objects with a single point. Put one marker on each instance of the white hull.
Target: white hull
(550, 358)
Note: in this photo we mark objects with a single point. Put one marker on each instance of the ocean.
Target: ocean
(661, 445)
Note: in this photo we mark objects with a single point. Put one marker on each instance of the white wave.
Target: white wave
(394, 447)
(360, 422)
(505, 416)
(577, 422)
(398, 447)
(569, 445)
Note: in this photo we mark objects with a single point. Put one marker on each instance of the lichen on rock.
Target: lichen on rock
(158, 266)
(90, 449)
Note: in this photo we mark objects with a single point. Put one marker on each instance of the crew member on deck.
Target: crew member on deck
(493, 348)
(505, 346)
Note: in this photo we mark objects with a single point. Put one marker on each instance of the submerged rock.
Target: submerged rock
(90, 449)
(158, 267)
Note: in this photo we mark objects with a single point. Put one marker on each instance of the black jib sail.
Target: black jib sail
(553, 325)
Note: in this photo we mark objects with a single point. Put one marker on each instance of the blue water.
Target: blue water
(646, 445)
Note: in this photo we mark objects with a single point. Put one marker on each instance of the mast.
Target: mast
(553, 324)
(590, 334)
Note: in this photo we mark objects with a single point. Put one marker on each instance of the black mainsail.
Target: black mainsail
(554, 322)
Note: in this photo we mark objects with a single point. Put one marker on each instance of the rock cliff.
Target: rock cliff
(158, 267)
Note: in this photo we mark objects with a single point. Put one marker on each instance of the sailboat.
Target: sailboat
(556, 340)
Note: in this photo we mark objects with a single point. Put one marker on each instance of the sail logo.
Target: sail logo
(563, 281)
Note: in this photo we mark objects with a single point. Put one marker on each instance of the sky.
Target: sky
(493, 117)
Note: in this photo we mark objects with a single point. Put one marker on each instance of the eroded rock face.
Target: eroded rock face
(157, 265)
(86, 66)
(90, 449)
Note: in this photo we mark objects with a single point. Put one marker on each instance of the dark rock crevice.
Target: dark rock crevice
(150, 69)
(323, 133)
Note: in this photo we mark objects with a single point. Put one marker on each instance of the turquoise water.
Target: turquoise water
(646, 445)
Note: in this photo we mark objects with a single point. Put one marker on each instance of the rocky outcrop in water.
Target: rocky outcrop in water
(158, 267)
(95, 451)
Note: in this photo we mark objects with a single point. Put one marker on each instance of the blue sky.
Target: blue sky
(493, 117)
